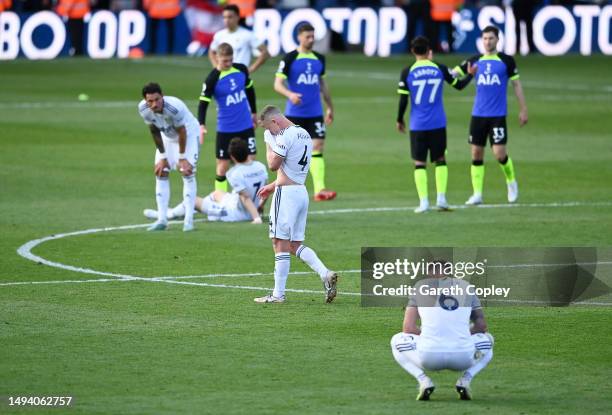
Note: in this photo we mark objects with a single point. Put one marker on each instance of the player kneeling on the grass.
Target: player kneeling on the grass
(242, 203)
(175, 132)
(423, 83)
(289, 151)
(444, 340)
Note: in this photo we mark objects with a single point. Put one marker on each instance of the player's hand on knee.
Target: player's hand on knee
(257, 221)
(162, 168)
(185, 167)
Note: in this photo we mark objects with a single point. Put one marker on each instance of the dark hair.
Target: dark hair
(238, 149)
(151, 88)
(419, 45)
(305, 27)
(491, 29)
(232, 8)
(225, 49)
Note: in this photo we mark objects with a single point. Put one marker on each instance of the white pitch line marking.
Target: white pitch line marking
(25, 251)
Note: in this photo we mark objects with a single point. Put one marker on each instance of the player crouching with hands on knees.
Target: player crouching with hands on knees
(444, 339)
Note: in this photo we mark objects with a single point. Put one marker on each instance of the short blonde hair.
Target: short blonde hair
(225, 49)
(269, 111)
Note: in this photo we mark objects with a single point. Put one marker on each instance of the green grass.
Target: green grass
(154, 347)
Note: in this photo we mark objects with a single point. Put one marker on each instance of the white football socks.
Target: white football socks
(310, 257)
(189, 197)
(403, 357)
(480, 363)
(177, 212)
(162, 197)
(282, 262)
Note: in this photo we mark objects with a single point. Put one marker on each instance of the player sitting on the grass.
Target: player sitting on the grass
(242, 204)
(444, 340)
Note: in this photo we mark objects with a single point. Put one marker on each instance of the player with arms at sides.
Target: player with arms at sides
(242, 40)
(492, 70)
(423, 83)
(175, 133)
(444, 340)
(301, 78)
(229, 83)
(289, 151)
(241, 204)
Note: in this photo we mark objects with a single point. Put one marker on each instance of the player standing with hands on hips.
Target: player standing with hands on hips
(289, 151)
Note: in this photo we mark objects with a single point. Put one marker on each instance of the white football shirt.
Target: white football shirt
(295, 146)
(445, 320)
(174, 114)
(242, 40)
(249, 177)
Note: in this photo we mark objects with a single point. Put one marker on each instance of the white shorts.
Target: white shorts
(230, 208)
(440, 360)
(192, 150)
(288, 213)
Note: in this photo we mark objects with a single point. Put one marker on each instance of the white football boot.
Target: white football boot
(330, 286)
(512, 191)
(463, 387)
(269, 299)
(423, 206)
(426, 388)
(475, 199)
(150, 214)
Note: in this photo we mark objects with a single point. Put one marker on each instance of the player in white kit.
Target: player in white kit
(242, 203)
(243, 41)
(289, 151)
(444, 340)
(176, 135)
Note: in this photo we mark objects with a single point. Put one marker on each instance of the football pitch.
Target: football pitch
(128, 321)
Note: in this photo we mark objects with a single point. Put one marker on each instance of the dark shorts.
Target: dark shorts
(432, 141)
(223, 140)
(493, 128)
(314, 125)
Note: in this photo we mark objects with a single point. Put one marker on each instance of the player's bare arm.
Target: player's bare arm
(264, 55)
(279, 86)
(250, 207)
(161, 167)
(329, 113)
(520, 96)
(185, 167)
(479, 324)
(411, 317)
